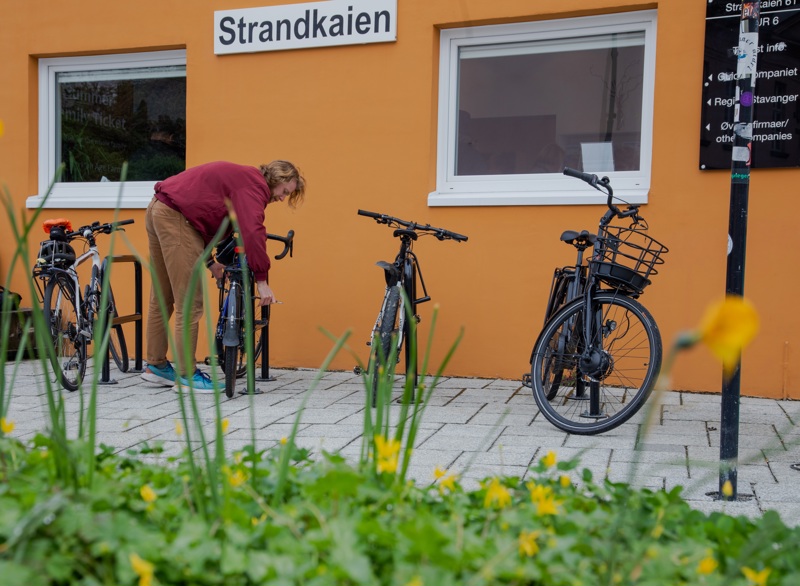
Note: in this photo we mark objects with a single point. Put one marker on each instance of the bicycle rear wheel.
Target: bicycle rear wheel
(592, 392)
(68, 354)
(388, 331)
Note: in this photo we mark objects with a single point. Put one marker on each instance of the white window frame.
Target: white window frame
(541, 188)
(107, 194)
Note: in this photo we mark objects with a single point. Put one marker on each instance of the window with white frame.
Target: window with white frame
(519, 102)
(100, 112)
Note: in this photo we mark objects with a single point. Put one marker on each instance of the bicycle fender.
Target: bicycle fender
(231, 336)
(392, 272)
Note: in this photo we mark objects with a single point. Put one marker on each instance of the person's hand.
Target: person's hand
(218, 270)
(265, 292)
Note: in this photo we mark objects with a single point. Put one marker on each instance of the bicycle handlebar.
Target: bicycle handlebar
(604, 185)
(288, 243)
(96, 228)
(439, 233)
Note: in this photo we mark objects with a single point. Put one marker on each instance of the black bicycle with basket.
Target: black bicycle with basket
(598, 356)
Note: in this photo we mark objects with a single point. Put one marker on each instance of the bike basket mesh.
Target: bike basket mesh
(56, 253)
(627, 258)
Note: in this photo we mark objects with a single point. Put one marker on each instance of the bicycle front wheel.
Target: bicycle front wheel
(387, 333)
(591, 386)
(68, 353)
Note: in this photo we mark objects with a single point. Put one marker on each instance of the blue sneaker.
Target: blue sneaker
(164, 375)
(200, 382)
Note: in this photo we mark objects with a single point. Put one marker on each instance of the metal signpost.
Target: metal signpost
(746, 56)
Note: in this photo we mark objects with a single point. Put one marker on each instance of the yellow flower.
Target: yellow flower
(258, 520)
(727, 488)
(547, 506)
(496, 494)
(707, 565)
(178, 428)
(148, 494)
(446, 481)
(6, 426)
(565, 481)
(538, 491)
(284, 440)
(225, 424)
(727, 328)
(415, 581)
(237, 478)
(756, 578)
(387, 454)
(143, 569)
(527, 543)
(549, 459)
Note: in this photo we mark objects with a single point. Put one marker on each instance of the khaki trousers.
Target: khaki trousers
(174, 249)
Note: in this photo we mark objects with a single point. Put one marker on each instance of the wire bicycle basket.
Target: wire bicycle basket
(627, 258)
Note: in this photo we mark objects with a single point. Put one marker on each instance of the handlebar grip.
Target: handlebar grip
(457, 237)
(589, 178)
(369, 214)
(121, 223)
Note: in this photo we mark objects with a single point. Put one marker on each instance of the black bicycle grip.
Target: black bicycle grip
(455, 236)
(121, 223)
(370, 214)
(589, 178)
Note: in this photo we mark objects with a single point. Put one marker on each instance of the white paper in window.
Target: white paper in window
(597, 157)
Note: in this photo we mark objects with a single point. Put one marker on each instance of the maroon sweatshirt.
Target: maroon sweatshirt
(199, 194)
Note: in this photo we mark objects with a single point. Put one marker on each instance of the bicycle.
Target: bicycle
(598, 355)
(230, 331)
(71, 313)
(391, 328)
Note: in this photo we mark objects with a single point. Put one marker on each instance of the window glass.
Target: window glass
(536, 107)
(106, 118)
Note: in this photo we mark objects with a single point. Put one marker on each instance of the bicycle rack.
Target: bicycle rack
(135, 317)
(265, 376)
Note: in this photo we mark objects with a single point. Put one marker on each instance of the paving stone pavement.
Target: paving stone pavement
(474, 427)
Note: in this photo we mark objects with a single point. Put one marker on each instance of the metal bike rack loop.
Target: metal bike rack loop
(135, 317)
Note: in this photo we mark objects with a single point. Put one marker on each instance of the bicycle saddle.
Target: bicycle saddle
(570, 236)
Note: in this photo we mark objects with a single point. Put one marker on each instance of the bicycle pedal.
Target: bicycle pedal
(526, 380)
(357, 370)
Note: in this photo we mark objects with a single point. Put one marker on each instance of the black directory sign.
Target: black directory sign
(776, 112)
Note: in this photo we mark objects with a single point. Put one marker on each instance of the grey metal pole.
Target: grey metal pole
(746, 57)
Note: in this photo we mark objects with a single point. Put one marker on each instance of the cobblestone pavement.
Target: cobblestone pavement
(475, 427)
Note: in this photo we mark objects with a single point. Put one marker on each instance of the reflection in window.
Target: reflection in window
(108, 117)
(535, 107)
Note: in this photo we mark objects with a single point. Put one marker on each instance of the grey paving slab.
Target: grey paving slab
(476, 428)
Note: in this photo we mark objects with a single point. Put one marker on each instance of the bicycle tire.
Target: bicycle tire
(618, 382)
(68, 352)
(240, 363)
(231, 353)
(382, 344)
(116, 336)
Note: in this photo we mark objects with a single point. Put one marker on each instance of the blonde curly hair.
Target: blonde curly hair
(278, 172)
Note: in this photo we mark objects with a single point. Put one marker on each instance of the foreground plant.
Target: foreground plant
(337, 523)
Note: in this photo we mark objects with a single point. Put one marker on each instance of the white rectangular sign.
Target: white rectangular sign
(298, 26)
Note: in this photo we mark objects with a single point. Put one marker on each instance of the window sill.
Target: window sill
(111, 195)
(585, 196)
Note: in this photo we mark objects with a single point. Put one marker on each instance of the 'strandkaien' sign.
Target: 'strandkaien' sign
(298, 26)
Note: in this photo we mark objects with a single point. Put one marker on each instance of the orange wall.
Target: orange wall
(361, 123)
